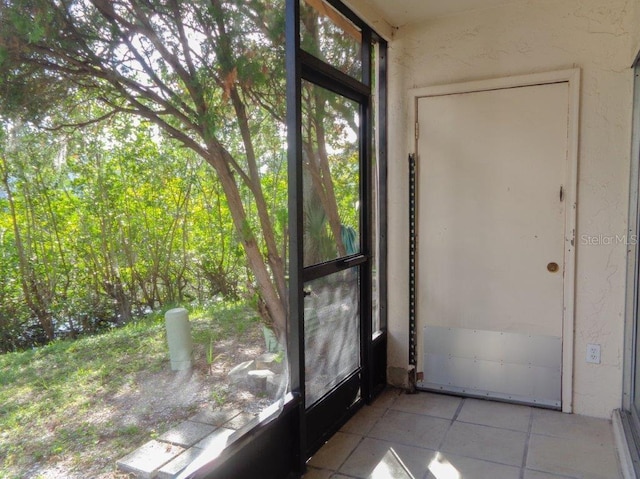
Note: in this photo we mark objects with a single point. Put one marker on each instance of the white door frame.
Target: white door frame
(572, 78)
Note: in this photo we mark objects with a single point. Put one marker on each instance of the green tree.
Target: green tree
(36, 221)
(204, 72)
(209, 75)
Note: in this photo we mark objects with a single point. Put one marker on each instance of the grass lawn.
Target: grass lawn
(72, 408)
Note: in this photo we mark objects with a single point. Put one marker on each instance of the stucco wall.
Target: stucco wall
(635, 44)
(518, 39)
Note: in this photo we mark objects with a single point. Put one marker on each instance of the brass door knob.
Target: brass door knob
(553, 267)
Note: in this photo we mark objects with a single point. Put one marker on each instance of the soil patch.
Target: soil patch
(150, 402)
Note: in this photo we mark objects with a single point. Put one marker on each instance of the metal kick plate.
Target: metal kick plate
(514, 366)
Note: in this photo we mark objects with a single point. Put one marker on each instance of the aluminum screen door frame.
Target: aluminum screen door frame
(325, 417)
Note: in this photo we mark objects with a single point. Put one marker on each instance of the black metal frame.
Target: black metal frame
(378, 350)
(412, 260)
(319, 422)
(295, 340)
(279, 447)
(326, 417)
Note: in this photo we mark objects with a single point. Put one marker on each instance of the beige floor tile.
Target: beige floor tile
(376, 459)
(495, 414)
(572, 457)
(487, 443)
(459, 467)
(313, 473)
(364, 420)
(429, 404)
(528, 474)
(387, 398)
(558, 424)
(410, 429)
(335, 451)
(397, 437)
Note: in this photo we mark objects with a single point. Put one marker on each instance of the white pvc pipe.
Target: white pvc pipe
(179, 338)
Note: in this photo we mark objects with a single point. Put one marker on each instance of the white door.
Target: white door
(492, 167)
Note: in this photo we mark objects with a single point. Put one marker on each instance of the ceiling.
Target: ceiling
(403, 12)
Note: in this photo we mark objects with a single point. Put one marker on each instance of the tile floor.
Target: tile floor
(432, 436)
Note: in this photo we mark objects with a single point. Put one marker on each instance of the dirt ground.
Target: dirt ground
(153, 402)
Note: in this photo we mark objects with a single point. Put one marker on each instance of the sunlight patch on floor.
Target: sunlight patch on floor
(390, 466)
(441, 468)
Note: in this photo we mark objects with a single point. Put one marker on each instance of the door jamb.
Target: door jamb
(633, 267)
(572, 78)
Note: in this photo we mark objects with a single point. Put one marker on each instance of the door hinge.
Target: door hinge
(561, 194)
(417, 130)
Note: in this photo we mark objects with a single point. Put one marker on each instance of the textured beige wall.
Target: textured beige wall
(372, 16)
(543, 35)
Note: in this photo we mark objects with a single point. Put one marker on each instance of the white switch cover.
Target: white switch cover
(593, 353)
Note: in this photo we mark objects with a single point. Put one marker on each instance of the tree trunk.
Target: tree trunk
(275, 261)
(28, 282)
(326, 182)
(274, 303)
